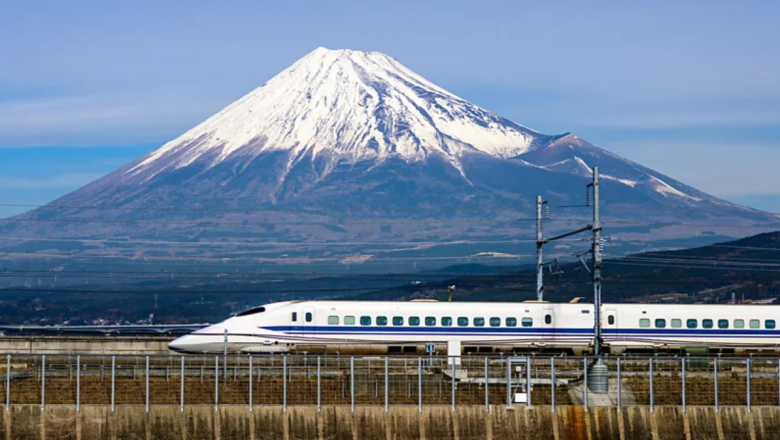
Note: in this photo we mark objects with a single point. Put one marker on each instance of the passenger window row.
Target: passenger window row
(707, 323)
(430, 321)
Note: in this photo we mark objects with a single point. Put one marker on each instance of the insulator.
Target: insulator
(587, 197)
(547, 212)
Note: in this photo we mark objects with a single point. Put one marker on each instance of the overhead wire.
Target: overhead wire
(244, 224)
(271, 243)
(294, 210)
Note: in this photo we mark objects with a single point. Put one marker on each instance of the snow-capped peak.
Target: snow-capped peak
(352, 105)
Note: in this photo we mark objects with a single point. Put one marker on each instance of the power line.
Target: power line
(267, 243)
(757, 248)
(690, 266)
(343, 260)
(737, 209)
(243, 224)
(295, 210)
(254, 291)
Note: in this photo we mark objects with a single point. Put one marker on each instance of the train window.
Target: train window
(414, 320)
(755, 323)
(252, 311)
(365, 320)
(479, 322)
(548, 319)
(381, 320)
(611, 319)
(706, 323)
(692, 323)
(527, 322)
(511, 322)
(769, 323)
(463, 321)
(676, 323)
(723, 323)
(294, 317)
(644, 323)
(398, 320)
(739, 323)
(308, 316)
(430, 321)
(446, 321)
(333, 320)
(495, 322)
(349, 320)
(660, 323)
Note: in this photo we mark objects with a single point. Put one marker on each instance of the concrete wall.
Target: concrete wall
(84, 345)
(372, 423)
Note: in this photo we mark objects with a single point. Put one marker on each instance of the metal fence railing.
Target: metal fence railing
(387, 381)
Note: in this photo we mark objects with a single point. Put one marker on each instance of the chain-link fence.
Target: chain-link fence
(388, 381)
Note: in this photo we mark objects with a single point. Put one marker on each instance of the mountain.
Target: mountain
(352, 147)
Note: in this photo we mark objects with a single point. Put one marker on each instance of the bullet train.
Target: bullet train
(414, 327)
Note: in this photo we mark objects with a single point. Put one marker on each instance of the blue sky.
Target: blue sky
(690, 88)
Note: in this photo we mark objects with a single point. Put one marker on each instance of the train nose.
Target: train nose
(183, 344)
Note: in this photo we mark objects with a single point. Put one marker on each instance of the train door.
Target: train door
(548, 322)
(610, 324)
(308, 321)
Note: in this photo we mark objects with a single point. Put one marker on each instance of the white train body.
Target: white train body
(349, 327)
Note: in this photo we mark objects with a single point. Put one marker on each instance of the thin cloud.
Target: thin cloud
(672, 119)
(73, 180)
(725, 170)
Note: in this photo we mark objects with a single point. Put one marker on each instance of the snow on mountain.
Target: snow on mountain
(351, 105)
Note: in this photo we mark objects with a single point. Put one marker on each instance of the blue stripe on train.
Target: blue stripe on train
(425, 330)
(467, 331)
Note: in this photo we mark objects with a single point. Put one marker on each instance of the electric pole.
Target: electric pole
(596, 252)
(539, 244)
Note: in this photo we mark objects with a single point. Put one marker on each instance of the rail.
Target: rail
(286, 380)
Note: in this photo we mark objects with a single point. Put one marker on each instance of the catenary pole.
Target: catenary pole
(596, 252)
(539, 256)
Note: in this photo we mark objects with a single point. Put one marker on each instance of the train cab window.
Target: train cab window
(611, 319)
(723, 323)
(294, 317)
(446, 321)
(463, 321)
(706, 323)
(430, 321)
(769, 323)
(365, 320)
(644, 323)
(755, 323)
(333, 320)
(495, 322)
(676, 323)
(349, 320)
(660, 323)
(308, 316)
(252, 311)
(511, 322)
(479, 322)
(739, 323)
(548, 319)
(398, 320)
(381, 320)
(692, 323)
(527, 322)
(414, 320)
